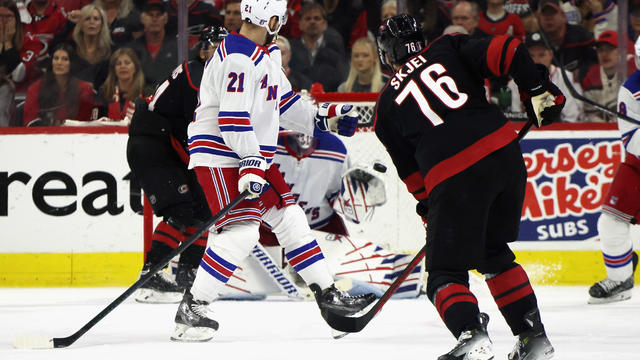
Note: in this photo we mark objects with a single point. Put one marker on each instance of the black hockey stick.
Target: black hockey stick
(28, 342)
(356, 323)
(576, 95)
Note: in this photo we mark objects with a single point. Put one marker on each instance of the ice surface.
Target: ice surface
(280, 329)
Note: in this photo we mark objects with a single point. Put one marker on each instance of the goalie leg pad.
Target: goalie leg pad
(224, 251)
(301, 249)
(616, 247)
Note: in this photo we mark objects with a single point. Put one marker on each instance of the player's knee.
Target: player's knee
(292, 226)
(610, 227)
(235, 241)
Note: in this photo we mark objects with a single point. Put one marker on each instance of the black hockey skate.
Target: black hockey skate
(532, 344)
(607, 290)
(340, 302)
(160, 289)
(473, 344)
(193, 321)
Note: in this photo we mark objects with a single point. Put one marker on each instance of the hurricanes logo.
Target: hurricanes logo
(183, 189)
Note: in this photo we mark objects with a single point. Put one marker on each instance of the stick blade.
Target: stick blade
(32, 342)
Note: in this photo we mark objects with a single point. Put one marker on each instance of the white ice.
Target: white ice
(294, 330)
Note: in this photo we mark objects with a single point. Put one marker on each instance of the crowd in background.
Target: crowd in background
(87, 60)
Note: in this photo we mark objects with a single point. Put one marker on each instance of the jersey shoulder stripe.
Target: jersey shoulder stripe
(633, 84)
(238, 44)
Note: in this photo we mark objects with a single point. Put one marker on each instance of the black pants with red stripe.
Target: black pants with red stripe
(472, 217)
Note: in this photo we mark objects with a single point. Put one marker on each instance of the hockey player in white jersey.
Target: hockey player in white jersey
(244, 98)
(621, 207)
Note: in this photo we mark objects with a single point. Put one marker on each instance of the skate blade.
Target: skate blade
(150, 296)
(185, 333)
(338, 334)
(621, 296)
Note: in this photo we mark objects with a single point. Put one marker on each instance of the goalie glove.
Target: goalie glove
(251, 173)
(341, 119)
(544, 103)
(362, 190)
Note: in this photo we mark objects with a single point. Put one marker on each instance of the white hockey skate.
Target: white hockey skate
(193, 321)
(472, 344)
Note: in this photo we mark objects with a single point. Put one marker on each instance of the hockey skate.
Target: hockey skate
(473, 344)
(607, 290)
(340, 302)
(160, 289)
(532, 344)
(193, 321)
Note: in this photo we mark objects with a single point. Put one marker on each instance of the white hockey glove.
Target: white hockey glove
(251, 173)
(362, 190)
(341, 119)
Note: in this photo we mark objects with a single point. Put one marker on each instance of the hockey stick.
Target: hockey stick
(33, 342)
(580, 97)
(351, 324)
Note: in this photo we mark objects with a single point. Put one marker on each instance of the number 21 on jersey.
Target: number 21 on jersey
(436, 86)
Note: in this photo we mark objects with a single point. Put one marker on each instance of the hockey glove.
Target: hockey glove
(543, 104)
(252, 175)
(342, 119)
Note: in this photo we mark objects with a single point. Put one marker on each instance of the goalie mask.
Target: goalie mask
(362, 190)
(300, 145)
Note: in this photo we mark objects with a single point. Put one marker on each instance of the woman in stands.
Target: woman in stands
(124, 84)
(58, 95)
(93, 42)
(17, 50)
(123, 20)
(364, 74)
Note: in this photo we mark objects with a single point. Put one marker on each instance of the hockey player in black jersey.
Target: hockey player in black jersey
(459, 156)
(158, 157)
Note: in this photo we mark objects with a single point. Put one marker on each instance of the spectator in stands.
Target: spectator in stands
(319, 53)
(158, 52)
(388, 10)
(497, 21)
(634, 20)
(451, 29)
(123, 20)
(433, 15)
(467, 15)
(49, 24)
(7, 100)
(298, 80)
(93, 43)
(602, 15)
(572, 44)
(353, 19)
(292, 28)
(124, 84)
(541, 54)
(17, 49)
(200, 15)
(602, 81)
(70, 5)
(58, 95)
(365, 74)
(232, 15)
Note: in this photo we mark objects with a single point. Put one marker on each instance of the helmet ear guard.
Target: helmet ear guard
(399, 38)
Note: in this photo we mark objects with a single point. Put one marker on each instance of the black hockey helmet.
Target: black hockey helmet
(211, 35)
(399, 38)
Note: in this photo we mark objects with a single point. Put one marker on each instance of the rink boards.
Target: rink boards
(70, 217)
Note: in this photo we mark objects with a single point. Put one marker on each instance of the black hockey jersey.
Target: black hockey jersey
(433, 116)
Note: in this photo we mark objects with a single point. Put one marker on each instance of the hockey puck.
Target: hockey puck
(379, 167)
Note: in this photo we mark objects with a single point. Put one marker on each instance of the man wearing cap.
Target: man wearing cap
(158, 53)
(542, 54)
(572, 44)
(602, 81)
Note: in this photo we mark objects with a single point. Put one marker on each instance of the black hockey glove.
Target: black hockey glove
(545, 102)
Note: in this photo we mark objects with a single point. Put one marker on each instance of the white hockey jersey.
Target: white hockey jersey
(244, 98)
(316, 179)
(629, 104)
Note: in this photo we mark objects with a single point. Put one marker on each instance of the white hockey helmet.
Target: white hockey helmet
(362, 190)
(259, 12)
(636, 49)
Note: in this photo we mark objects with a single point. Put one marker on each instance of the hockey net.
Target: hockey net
(393, 225)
